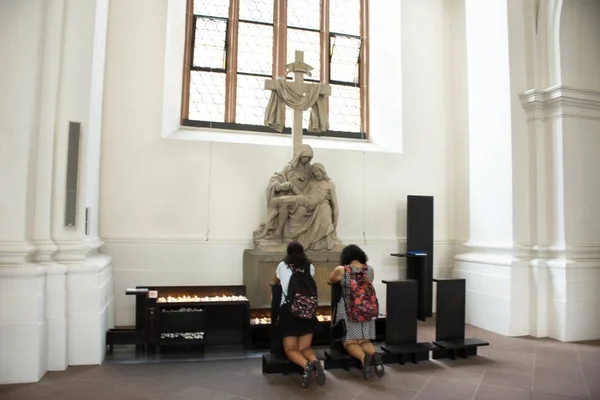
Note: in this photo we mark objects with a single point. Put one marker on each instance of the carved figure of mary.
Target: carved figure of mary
(291, 181)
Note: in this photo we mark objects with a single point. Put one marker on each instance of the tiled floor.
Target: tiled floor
(511, 368)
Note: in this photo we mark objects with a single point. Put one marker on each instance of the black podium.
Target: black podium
(416, 269)
(419, 239)
(450, 338)
(401, 329)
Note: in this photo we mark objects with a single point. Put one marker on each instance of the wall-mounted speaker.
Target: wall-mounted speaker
(87, 220)
(72, 174)
(419, 238)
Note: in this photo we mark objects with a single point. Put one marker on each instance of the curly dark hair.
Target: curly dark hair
(353, 252)
(296, 257)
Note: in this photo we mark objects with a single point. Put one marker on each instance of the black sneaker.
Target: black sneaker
(319, 372)
(307, 375)
(367, 363)
(378, 363)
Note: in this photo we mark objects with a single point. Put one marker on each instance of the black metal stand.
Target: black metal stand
(401, 329)
(124, 336)
(450, 322)
(419, 238)
(416, 269)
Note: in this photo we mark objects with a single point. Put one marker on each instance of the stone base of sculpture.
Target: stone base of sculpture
(259, 270)
(274, 246)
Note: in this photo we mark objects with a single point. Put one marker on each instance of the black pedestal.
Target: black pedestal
(137, 335)
(401, 325)
(279, 364)
(276, 362)
(416, 269)
(450, 322)
(336, 359)
(419, 238)
(276, 344)
(336, 356)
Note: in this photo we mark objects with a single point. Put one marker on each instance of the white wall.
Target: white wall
(182, 212)
(493, 281)
(579, 44)
(538, 277)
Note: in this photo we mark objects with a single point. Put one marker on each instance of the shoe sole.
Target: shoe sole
(319, 372)
(306, 381)
(378, 362)
(367, 367)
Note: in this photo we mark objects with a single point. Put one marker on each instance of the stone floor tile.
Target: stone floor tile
(561, 383)
(451, 388)
(386, 393)
(485, 392)
(515, 381)
(547, 396)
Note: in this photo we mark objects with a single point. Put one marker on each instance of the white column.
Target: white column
(564, 112)
(48, 319)
(497, 279)
(22, 281)
(56, 307)
(89, 281)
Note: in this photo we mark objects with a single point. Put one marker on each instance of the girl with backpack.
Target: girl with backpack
(357, 308)
(298, 313)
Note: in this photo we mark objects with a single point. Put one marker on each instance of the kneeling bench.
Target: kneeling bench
(276, 361)
(450, 338)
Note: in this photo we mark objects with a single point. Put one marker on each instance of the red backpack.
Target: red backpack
(362, 305)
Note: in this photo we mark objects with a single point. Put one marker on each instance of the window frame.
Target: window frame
(280, 28)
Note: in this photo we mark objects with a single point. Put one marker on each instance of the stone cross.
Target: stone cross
(299, 68)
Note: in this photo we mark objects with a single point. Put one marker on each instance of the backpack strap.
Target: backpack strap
(287, 290)
(348, 270)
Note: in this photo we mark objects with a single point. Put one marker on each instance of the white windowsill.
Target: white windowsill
(274, 139)
(386, 111)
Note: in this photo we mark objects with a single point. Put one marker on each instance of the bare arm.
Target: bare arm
(337, 274)
(275, 278)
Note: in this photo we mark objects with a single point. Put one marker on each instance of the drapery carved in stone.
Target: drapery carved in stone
(284, 95)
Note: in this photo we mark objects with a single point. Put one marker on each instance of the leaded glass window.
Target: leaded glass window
(233, 46)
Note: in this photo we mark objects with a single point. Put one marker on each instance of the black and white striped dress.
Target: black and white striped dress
(354, 330)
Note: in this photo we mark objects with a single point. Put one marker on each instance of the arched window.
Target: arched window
(232, 46)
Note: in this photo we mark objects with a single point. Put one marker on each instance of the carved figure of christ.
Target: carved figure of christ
(299, 68)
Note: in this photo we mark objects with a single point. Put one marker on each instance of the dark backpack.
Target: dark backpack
(301, 296)
(362, 304)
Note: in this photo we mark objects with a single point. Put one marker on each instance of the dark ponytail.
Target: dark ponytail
(296, 257)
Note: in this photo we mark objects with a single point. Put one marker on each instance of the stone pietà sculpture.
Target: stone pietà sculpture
(301, 205)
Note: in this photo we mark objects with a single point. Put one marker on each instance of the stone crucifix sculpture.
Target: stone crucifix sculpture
(300, 96)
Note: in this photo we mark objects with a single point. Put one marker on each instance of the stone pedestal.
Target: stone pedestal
(259, 270)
